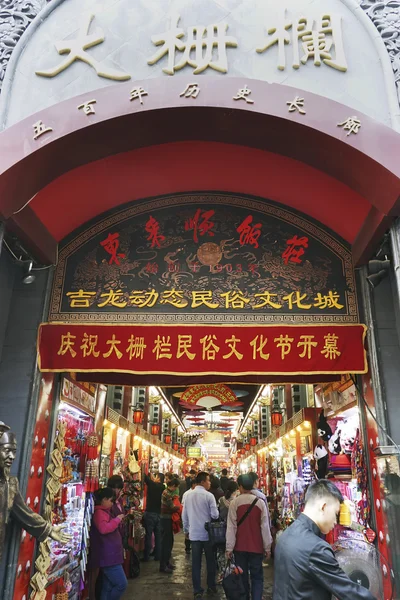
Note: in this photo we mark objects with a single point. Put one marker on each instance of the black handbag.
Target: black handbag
(232, 583)
(216, 532)
(217, 529)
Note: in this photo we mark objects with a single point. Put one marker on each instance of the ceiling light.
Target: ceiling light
(28, 277)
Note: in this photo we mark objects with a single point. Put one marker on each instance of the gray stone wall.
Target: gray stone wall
(21, 311)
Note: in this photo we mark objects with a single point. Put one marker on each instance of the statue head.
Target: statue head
(8, 447)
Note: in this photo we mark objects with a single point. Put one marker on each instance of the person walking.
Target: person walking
(224, 479)
(224, 503)
(248, 536)
(215, 488)
(169, 504)
(305, 566)
(152, 515)
(106, 546)
(187, 541)
(199, 508)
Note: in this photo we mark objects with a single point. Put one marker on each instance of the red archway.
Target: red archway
(334, 177)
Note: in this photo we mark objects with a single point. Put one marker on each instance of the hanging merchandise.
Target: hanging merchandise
(72, 477)
(321, 456)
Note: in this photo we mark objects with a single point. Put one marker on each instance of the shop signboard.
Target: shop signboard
(203, 349)
(74, 393)
(204, 258)
(193, 452)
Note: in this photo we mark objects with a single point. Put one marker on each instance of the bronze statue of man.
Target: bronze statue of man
(11, 502)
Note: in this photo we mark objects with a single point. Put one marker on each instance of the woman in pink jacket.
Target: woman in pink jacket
(106, 546)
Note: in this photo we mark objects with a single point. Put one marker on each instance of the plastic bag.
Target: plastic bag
(232, 582)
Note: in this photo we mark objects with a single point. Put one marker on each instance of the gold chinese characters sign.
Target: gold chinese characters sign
(202, 349)
(204, 258)
(318, 41)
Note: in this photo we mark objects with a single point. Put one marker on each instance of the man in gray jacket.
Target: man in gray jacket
(305, 565)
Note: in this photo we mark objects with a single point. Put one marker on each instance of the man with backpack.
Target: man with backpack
(248, 536)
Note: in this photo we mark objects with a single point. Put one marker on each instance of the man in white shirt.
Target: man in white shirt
(199, 508)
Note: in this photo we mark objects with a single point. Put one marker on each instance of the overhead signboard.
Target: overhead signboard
(193, 452)
(204, 257)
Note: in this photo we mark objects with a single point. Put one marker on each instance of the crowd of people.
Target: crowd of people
(304, 564)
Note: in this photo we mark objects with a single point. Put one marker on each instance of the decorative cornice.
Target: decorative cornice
(386, 18)
(15, 17)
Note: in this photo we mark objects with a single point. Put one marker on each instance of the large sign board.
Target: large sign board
(204, 258)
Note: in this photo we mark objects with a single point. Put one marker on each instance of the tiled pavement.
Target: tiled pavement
(153, 585)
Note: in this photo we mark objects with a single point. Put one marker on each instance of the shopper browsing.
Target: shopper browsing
(200, 508)
(169, 505)
(116, 483)
(248, 535)
(106, 546)
(305, 565)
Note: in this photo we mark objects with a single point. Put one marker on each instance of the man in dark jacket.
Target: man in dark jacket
(151, 517)
(224, 480)
(305, 565)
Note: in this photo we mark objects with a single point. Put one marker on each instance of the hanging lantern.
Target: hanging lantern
(182, 450)
(276, 419)
(155, 429)
(167, 438)
(138, 416)
(253, 441)
(175, 447)
(247, 447)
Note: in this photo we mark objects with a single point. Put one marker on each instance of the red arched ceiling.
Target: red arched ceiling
(156, 154)
(88, 191)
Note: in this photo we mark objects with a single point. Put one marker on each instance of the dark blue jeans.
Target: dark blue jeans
(250, 561)
(114, 583)
(197, 552)
(152, 524)
(167, 542)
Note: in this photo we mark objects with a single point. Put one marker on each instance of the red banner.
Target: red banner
(202, 349)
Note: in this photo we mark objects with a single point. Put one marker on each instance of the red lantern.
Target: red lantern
(167, 439)
(253, 441)
(247, 446)
(138, 416)
(155, 429)
(276, 419)
(175, 447)
(182, 450)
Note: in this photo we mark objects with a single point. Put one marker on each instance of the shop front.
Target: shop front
(203, 223)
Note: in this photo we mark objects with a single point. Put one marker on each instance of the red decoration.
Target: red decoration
(175, 447)
(155, 429)
(268, 349)
(291, 253)
(152, 228)
(182, 450)
(249, 232)
(203, 227)
(253, 441)
(111, 245)
(167, 438)
(138, 416)
(247, 447)
(276, 419)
